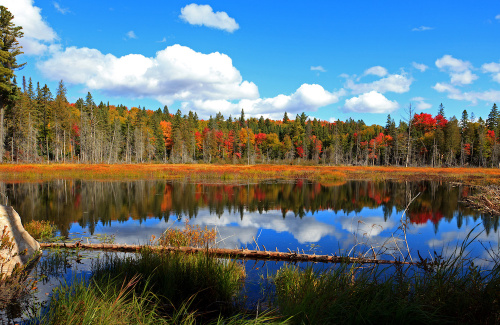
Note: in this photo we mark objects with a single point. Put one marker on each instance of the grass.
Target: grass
(212, 285)
(193, 236)
(153, 288)
(41, 230)
(116, 302)
(442, 291)
(16, 286)
(236, 173)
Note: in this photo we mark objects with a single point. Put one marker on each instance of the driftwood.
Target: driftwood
(487, 200)
(232, 253)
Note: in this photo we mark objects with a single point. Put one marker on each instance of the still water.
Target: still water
(356, 217)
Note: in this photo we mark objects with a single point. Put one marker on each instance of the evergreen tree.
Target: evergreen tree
(441, 110)
(493, 118)
(9, 50)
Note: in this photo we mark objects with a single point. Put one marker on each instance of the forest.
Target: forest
(39, 126)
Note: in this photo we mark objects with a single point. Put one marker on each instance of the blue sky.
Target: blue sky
(331, 59)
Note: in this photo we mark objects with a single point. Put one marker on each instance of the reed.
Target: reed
(183, 291)
(212, 284)
(440, 291)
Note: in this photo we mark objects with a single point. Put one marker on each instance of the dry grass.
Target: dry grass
(192, 236)
(235, 173)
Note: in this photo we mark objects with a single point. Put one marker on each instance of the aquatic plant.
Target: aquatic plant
(212, 284)
(440, 290)
(193, 236)
(41, 230)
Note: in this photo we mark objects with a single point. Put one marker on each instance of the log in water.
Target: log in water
(233, 253)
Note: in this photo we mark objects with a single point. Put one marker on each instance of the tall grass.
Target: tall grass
(212, 284)
(153, 288)
(443, 291)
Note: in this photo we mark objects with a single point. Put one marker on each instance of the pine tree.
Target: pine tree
(441, 110)
(9, 50)
(493, 118)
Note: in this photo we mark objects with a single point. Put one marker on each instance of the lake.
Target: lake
(355, 217)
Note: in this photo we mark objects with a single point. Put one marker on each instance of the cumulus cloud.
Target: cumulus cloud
(421, 104)
(420, 66)
(463, 78)
(376, 71)
(309, 97)
(447, 62)
(371, 102)
(492, 68)
(318, 68)
(421, 29)
(203, 15)
(175, 73)
(38, 35)
(459, 70)
(398, 83)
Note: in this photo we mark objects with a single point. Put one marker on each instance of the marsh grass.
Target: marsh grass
(153, 288)
(41, 230)
(212, 284)
(441, 290)
(193, 236)
(117, 301)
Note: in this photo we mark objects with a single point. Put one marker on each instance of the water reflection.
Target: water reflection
(274, 214)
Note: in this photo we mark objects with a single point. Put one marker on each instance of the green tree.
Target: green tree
(9, 50)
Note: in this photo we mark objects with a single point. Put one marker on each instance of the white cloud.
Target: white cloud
(494, 69)
(420, 66)
(371, 102)
(318, 68)
(37, 33)
(497, 17)
(62, 10)
(421, 29)
(463, 78)
(376, 71)
(309, 97)
(203, 15)
(398, 83)
(472, 96)
(175, 73)
(131, 34)
(421, 104)
(449, 63)
(459, 70)
(164, 40)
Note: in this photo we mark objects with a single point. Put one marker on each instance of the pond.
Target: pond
(350, 218)
(353, 218)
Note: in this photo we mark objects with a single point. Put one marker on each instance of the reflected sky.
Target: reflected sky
(358, 217)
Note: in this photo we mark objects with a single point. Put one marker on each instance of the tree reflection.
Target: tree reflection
(92, 202)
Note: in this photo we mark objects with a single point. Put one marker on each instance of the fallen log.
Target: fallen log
(225, 252)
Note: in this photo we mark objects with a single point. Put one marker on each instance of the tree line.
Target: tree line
(39, 126)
